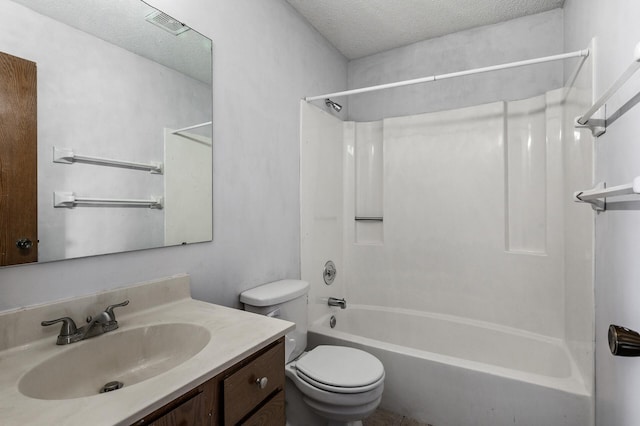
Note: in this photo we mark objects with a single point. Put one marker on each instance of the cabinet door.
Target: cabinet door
(192, 412)
(195, 408)
(271, 414)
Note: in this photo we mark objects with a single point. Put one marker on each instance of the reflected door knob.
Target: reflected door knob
(24, 243)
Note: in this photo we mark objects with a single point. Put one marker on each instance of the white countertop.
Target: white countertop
(235, 334)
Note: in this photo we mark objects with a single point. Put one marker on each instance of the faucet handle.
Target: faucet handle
(68, 326)
(68, 333)
(110, 308)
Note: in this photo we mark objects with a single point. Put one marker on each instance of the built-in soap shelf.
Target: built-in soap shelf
(369, 218)
(597, 196)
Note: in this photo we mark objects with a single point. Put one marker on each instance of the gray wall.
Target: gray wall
(266, 57)
(617, 158)
(515, 40)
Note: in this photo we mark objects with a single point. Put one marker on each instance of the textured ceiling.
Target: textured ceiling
(364, 27)
(122, 22)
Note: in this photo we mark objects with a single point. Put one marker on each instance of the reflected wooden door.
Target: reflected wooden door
(18, 161)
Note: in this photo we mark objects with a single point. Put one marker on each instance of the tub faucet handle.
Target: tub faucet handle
(334, 301)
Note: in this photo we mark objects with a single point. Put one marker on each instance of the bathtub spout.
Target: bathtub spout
(333, 301)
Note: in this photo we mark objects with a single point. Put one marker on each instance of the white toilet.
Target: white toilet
(341, 385)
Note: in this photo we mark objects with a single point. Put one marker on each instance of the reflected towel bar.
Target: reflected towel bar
(67, 156)
(599, 127)
(195, 126)
(598, 195)
(366, 218)
(69, 200)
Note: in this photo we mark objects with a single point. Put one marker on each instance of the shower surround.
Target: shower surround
(472, 207)
(477, 224)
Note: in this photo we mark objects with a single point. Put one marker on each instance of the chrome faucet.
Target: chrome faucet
(333, 301)
(102, 323)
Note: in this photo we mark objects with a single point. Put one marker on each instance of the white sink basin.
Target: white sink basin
(130, 356)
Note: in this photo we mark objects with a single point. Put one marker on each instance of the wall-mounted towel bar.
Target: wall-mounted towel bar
(67, 156)
(69, 199)
(598, 195)
(599, 126)
(369, 218)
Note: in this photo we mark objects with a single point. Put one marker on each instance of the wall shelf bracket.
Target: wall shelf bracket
(597, 196)
(598, 126)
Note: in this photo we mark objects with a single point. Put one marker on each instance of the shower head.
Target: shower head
(337, 107)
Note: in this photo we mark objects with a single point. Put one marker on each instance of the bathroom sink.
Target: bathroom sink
(128, 357)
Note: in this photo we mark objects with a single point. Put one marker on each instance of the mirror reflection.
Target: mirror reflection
(107, 106)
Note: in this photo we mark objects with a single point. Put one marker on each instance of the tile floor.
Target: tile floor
(387, 418)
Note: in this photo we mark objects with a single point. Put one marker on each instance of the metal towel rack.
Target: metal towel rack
(70, 200)
(369, 218)
(599, 126)
(598, 195)
(195, 126)
(67, 156)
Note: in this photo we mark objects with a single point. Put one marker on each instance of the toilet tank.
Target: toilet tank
(284, 299)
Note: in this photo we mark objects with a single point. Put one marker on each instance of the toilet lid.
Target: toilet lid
(340, 367)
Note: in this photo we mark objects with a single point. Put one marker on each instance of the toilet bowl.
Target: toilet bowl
(339, 384)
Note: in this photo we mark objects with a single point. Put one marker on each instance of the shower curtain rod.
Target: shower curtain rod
(578, 53)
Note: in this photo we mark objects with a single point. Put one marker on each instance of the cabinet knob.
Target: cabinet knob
(262, 382)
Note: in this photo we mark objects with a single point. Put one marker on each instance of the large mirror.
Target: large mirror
(117, 98)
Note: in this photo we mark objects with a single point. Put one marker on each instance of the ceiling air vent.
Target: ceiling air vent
(166, 22)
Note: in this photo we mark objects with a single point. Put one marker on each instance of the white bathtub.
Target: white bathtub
(449, 371)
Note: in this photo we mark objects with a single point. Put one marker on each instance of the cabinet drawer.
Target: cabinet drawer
(241, 391)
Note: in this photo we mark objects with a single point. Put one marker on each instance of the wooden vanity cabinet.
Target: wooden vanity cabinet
(237, 396)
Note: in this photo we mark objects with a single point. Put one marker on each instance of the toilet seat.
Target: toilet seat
(334, 399)
(337, 389)
(340, 369)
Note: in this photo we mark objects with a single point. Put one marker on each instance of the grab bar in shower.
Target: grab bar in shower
(69, 200)
(599, 126)
(67, 156)
(369, 218)
(597, 196)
